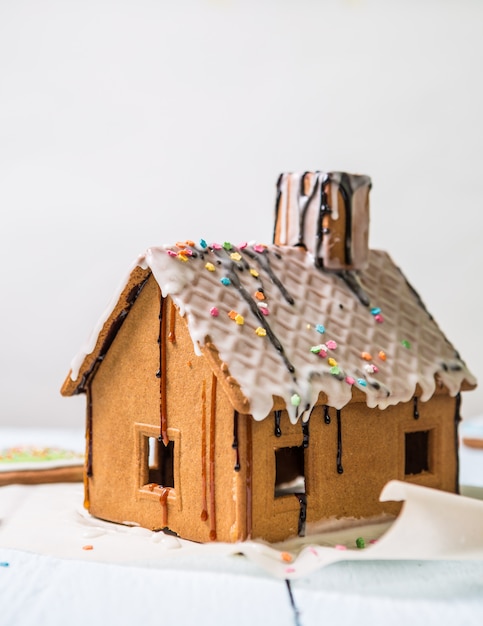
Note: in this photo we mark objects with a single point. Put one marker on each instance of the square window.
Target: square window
(416, 459)
(289, 471)
(160, 459)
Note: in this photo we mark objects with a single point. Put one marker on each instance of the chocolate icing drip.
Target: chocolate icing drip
(457, 420)
(277, 430)
(346, 192)
(277, 205)
(234, 445)
(89, 433)
(324, 210)
(305, 434)
(303, 203)
(302, 498)
(340, 469)
(326, 414)
(161, 374)
(352, 281)
(415, 408)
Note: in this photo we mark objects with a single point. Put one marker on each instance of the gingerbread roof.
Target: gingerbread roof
(273, 325)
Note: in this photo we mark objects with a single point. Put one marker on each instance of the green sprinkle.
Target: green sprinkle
(405, 343)
(295, 399)
(360, 543)
(335, 370)
(227, 245)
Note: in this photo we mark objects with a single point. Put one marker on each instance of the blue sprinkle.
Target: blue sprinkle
(362, 382)
(203, 243)
(225, 280)
(376, 310)
(4, 564)
(320, 328)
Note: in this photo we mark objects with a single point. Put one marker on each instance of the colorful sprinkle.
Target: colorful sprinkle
(258, 247)
(254, 272)
(371, 368)
(210, 267)
(227, 245)
(216, 246)
(295, 399)
(405, 343)
(375, 310)
(379, 319)
(263, 309)
(320, 328)
(235, 256)
(382, 355)
(261, 332)
(289, 570)
(4, 564)
(332, 362)
(360, 543)
(366, 356)
(362, 382)
(239, 319)
(331, 344)
(288, 558)
(339, 546)
(203, 243)
(214, 311)
(182, 257)
(349, 380)
(88, 547)
(259, 295)
(225, 280)
(172, 253)
(316, 349)
(243, 245)
(335, 370)
(232, 314)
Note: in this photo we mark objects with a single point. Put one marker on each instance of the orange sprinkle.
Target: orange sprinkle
(232, 314)
(189, 242)
(89, 547)
(259, 295)
(366, 356)
(382, 355)
(286, 557)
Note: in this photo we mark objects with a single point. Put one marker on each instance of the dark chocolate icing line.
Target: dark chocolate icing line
(277, 205)
(89, 433)
(302, 498)
(162, 372)
(277, 430)
(340, 469)
(415, 408)
(305, 434)
(457, 420)
(345, 189)
(234, 445)
(326, 414)
(303, 201)
(111, 335)
(261, 318)
(264, 263)
(351, 280)
(296, 612)
(324, 210)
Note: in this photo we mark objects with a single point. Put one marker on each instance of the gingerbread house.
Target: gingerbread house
(252, 391)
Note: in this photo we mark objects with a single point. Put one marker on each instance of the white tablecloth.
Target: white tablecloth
(38, 588)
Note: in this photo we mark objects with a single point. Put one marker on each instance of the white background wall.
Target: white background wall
(128, 123)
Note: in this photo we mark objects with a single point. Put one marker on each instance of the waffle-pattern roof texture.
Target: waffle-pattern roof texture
(284, 328)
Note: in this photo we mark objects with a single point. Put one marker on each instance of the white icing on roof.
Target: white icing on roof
(309, 332)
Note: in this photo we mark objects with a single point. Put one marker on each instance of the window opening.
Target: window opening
(416, 452)
(289, 471)
(160, 462)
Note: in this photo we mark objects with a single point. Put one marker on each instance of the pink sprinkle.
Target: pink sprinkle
(214, 311)
(375, 369)
(313, 551)
(349, 380)
(264, 310)
(258, 247)
(172, 253)
(373, 541)
(339, 546)
(243, 245)
(379, 319)
(322, 353)
(331, 344)
(289, 570)
(216, 246)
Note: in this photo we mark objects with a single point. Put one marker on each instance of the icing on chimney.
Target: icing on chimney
(328, 214)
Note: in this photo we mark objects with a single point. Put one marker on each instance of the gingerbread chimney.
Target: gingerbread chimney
(328, 214)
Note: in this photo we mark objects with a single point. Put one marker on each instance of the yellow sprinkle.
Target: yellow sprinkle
(235, 256)
(332, 362)
(254, 272)
(261, 332)
(239, 319)
(182, 257)
(210, 267)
